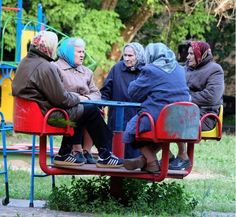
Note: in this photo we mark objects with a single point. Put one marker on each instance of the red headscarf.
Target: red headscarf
(200, 50)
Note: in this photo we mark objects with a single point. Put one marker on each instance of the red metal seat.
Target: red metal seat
(29, 119)
(25, 110)
(177, 122)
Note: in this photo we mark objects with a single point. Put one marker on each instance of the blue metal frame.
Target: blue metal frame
(33, 152)
(3, 128)
(40, 17)
(9, 127)
(33, 174)
(18, 31)
(120, 107)
(0, 13)
(6, 72)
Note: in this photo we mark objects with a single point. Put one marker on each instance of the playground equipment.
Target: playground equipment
(178, 122)
(26, 29)
(216, 132)
(4, 128)
(180, 132)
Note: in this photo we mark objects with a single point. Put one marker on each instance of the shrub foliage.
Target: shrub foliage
(93, 195)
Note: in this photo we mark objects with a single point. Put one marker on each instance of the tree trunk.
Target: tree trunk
(109, 5)
(134, 24)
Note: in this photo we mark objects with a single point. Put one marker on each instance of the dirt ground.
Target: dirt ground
(19, 208)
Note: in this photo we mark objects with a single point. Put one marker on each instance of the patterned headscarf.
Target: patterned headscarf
(200, 50)
(46, 42)
(67, 48)
(161, 56)
(138, 50)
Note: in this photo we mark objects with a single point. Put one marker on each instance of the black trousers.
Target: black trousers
(96, 127)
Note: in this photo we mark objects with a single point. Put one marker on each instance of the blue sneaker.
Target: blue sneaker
(179, 164)
(79, 156)
(110, 162)
(66, 160)
(89, 157)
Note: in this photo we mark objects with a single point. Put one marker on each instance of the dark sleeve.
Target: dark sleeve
(213, 91)
(50, 85)
(107, 89)
(140, 88)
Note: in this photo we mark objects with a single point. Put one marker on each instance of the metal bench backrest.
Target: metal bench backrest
(216, 132)
(179, 121)
(28, 118)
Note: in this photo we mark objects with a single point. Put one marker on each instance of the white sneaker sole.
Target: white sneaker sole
(64, 163)
(108, 166)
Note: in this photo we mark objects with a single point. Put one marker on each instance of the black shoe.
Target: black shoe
(89, 158)
(79, 156)
(66, 160)
(111, 162)
(171, 159)
(179, 164)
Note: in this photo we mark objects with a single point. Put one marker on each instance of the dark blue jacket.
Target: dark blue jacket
(116, 88)
(155, 88)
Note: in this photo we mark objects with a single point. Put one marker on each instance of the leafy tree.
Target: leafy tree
(176, 27)
(222, 41)
(107, 24)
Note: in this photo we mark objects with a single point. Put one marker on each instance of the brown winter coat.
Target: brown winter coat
(39, 80)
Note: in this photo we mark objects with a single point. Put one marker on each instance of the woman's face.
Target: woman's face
(78, 55)
(191, 58)
(129, 57)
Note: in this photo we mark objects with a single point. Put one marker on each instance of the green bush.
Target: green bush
(93, 195)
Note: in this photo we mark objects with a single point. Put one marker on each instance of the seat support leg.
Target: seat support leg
(5, 201)
(52, 158)
(31, 204)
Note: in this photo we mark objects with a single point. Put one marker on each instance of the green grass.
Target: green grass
(215, 161)
(229, 120)
(213, 186)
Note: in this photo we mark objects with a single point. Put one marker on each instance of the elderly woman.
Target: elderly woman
(205, 79)
(161, 82)
(79, 79)
(116, 86)
(39, 80)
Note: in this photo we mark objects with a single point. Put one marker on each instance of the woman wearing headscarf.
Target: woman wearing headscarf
(205, 79)
(38, 80)
(116, 86)
(161, 82)
(79, 79)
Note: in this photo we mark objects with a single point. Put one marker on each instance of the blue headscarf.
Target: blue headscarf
(161, 56)
(67, 48)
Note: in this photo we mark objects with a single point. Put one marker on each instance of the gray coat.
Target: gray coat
(206, 84)
(39, 80)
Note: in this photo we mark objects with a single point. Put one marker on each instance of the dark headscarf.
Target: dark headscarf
(201, 51)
